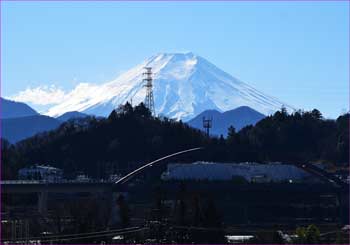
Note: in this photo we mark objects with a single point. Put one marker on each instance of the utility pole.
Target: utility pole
(207, 124)
(149, 100)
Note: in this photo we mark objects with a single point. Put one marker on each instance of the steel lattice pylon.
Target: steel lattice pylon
(149, 100)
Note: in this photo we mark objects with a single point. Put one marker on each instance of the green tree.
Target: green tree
(312, 234)
(301, 235)
(308, 235)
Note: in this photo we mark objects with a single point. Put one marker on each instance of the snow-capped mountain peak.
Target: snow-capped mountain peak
(184, 85)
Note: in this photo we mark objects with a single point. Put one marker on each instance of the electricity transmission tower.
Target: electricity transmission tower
(149, 100)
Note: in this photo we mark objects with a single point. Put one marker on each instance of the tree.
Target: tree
(309, 235)
(113, 115)
(142, 111)
(231, 133)
(312, 234)
(301, 235)
(316, 114)
(125, 109)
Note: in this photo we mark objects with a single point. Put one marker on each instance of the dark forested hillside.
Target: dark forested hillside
(127, 138)
(131, 136)
(300, 136)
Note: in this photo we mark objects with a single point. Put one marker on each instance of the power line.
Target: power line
(94, 236)
(79, 234)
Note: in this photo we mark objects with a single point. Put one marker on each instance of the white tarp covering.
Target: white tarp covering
(228, 171)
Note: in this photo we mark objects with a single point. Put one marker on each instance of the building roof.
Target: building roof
(227, 171)
(40, 167)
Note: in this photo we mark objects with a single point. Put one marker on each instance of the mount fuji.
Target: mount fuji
(184, 85)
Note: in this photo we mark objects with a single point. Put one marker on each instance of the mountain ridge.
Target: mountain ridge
(14, 109)
(238, 118)
(71, 115)
(19, 128)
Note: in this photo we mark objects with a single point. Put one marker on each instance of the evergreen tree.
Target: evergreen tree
(312, 234)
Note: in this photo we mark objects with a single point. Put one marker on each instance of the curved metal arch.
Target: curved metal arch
(135, 172)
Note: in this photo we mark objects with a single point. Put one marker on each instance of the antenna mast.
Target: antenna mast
(207, 124)
(149, 101)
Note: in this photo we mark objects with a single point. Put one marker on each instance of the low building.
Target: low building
(82, 178)
(251, 172)
(40, 172)
(114, 177)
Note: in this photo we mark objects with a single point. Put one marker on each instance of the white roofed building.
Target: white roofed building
(251, 172)
(40, 172)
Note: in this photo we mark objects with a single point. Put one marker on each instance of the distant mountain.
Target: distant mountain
(71, 115)
(238, 118)
(12, 109)
(16, 129)
(184, 85)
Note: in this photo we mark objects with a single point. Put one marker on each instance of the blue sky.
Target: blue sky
(297, 52)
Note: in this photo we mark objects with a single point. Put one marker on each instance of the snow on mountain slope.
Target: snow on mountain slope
(184, 86)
